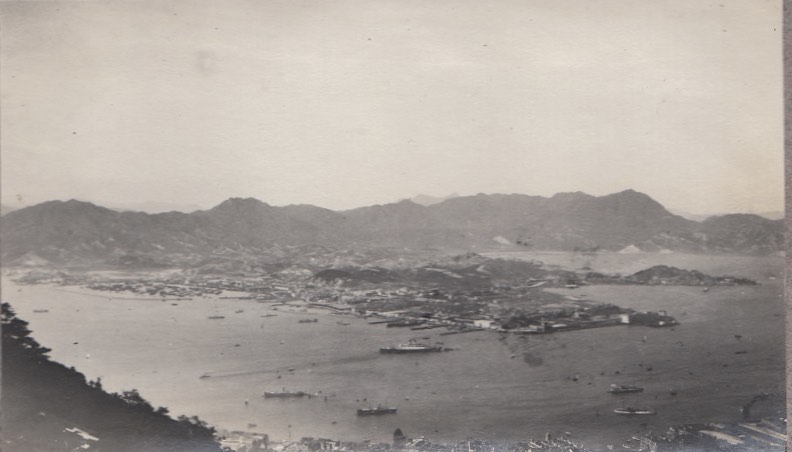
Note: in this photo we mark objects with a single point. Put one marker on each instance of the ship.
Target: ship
(284, 394)
(624, 389)
(374, 411)
(634, 411)
(404, 323)
(412, 347)
(307, 320)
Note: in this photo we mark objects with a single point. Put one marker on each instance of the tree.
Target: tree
(16, 330)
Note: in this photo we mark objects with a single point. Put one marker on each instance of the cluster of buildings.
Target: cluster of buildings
(522, 308)
(252, 442)
(768, 434)
(503, 309)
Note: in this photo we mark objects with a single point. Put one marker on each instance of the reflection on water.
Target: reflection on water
(493, 385)
(532, 359)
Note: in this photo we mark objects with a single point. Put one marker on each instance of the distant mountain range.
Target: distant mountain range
(61, 232)
(770, 215)
(426, 200)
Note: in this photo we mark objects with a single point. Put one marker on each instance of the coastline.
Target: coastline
(258, 361)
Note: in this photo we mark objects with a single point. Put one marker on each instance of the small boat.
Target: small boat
(634, 411)
(41, 311)
(375, 411)
(205, 376)
(624, 389)
(284, 394)
(412, 347)
(307, 320)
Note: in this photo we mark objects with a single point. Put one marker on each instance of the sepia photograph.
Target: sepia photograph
(392, 225)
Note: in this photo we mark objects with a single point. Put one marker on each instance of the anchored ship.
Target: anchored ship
(269, 395)
(624, 389)
(373, 411)
(404, 323)
(412, 347)
(633, 411)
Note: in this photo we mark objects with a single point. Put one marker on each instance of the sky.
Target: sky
(349, 103)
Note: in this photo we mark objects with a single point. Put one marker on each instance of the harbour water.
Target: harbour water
(728, 347)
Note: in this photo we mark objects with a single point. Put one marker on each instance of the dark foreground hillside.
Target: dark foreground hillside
(47, 407)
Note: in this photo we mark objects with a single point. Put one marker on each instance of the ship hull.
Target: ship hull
(275, 395)
(376, 412)
(634, 412)
(401, 350)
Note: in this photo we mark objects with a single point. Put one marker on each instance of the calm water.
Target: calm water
(489, 388)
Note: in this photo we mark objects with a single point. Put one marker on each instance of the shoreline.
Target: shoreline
(370, 372)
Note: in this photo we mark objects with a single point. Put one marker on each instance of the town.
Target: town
(759, 434)
(455, 298)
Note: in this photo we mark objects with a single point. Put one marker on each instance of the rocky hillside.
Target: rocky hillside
(60, 232)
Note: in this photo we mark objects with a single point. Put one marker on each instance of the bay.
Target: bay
(513, 388)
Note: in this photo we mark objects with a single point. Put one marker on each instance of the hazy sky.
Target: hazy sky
(350, 103)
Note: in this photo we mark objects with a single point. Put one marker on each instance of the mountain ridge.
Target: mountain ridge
(62, 231)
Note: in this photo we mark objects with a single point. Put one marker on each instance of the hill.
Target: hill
(47, 407)
(75, 232)
(746, 232)
(4, 209)
(427, 200)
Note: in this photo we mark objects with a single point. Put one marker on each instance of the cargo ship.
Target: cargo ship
(412, 347)
(284, 394)
(374, 411)
(634, 411)
(624, 389)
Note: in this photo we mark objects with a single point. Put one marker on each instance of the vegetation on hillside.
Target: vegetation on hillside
(49, 407)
